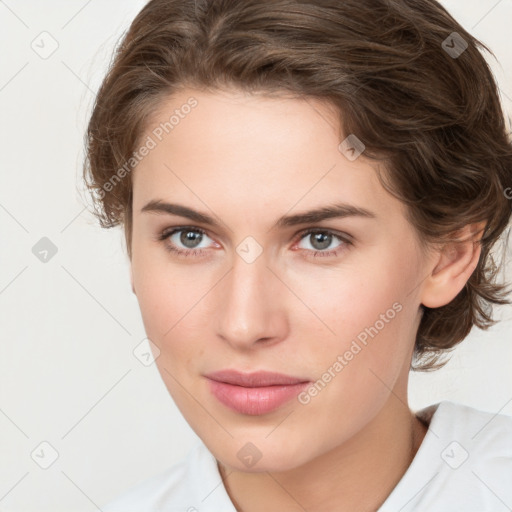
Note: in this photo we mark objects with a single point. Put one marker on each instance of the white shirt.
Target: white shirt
(463, 464)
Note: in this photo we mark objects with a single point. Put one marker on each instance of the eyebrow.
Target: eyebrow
(339, 210)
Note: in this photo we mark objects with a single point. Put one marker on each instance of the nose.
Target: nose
(250, 306)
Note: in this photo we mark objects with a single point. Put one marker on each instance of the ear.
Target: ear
(453, 266)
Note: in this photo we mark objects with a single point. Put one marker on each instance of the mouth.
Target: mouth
(254, 393)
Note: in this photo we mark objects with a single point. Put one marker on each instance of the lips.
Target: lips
(254, 380)
(254, 393)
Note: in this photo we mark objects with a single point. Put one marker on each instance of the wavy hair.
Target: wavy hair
(405, 77)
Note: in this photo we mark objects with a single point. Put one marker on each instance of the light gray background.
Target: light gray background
(68, 376)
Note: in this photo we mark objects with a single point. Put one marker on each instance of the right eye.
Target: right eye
(187, 237)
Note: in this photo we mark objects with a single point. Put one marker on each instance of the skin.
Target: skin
(248, 160)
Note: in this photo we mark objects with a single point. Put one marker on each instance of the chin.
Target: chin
(254, 454)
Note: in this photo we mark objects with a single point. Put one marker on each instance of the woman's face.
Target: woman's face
(253, 291)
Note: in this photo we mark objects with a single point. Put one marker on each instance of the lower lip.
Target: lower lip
(255, 401)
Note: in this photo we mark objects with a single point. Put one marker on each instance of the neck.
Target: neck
(356, 476)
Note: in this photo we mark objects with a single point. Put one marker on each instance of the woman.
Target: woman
(310, 191)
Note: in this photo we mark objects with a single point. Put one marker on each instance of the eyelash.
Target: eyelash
(167, 233)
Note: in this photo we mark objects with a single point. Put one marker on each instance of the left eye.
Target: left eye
(187, 237)
(320, 240)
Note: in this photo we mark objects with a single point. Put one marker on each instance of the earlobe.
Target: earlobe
(453, 266)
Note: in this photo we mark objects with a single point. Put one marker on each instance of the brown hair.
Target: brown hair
(390, 67)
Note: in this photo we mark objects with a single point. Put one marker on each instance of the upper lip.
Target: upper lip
(255, 379)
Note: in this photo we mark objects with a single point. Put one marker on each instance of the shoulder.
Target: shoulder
(453, 410)
(463, 463)
(149, 493)
(184, 487)
(478, 429)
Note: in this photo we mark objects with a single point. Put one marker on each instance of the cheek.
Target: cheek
(372, 315)
(356, 370)
(169, 304)
(172, 301)
(369, 333)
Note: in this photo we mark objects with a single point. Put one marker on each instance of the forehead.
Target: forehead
(254, 154)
